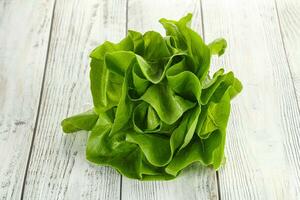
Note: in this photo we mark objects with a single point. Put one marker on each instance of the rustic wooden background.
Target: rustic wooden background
(44, 67)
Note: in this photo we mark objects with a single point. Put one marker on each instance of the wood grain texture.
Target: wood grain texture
(289, 18)
(263, 138)
(24, 35)
(58, 168)
(196, 182)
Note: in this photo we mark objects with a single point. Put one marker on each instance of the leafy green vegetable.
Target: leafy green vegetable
(156, 109)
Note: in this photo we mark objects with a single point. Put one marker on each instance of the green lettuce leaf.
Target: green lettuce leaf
(156, 108)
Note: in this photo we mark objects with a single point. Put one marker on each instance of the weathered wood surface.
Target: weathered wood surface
(263, 133)
(289, 21)
(58, 168)
(24, 36)
(44, 77)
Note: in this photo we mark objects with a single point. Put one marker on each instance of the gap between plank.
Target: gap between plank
(286, 57)
(39, 103)
(218, 185)
(126, 30)
(121, 182)
(202, 19)
(203, 36)
(126, 25)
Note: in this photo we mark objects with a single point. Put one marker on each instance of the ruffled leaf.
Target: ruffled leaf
(156, 109)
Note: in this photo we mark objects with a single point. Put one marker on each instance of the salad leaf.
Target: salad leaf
(156, 108)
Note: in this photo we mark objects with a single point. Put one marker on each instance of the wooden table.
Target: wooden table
(44, 77)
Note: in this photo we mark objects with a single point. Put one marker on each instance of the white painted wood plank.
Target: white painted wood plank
(289, 18)
(58, 168)
(263, 137)
(196, 182)
(24, 34)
